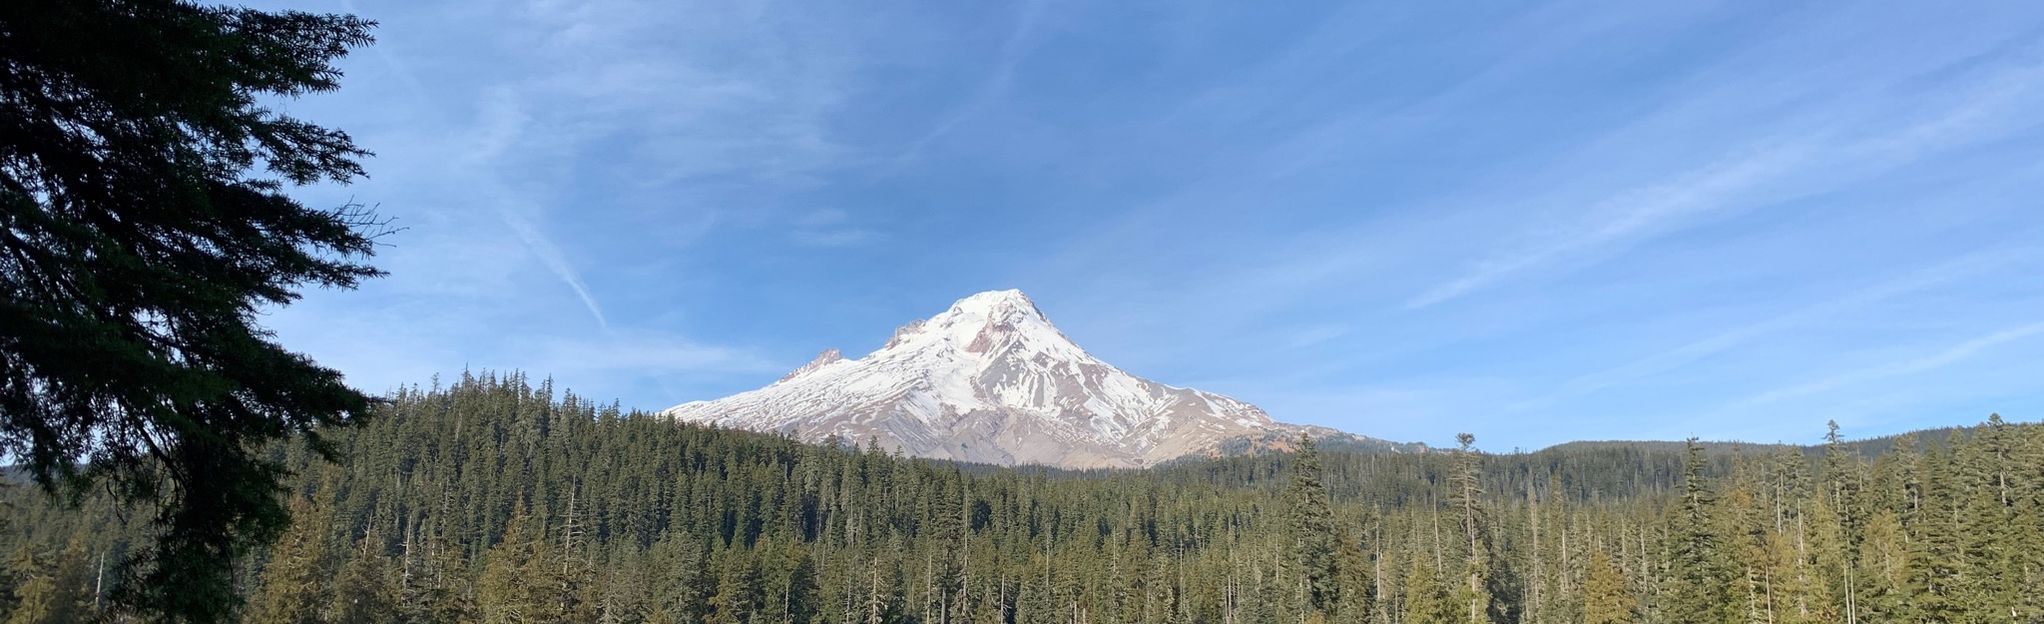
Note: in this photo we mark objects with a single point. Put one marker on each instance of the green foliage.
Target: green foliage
(496, 501)
(144, 224)
(1606, 600)
(294, 582)
(1316, 546)
(1426, 599)
(45, 587)
(1697, 591)
(366, 590)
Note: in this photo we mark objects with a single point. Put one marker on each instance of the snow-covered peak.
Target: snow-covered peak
(826, 358)
(996, 302)
(983, 328)
(989, 379)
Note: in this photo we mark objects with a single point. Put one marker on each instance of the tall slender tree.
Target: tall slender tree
(1472, 591)
(1315, 544)
(1694, 560)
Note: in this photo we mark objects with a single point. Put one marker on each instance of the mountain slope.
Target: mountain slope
(991, 380)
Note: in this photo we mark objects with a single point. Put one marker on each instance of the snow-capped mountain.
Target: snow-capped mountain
(990, 380)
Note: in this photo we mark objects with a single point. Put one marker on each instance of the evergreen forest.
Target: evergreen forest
(496, 500)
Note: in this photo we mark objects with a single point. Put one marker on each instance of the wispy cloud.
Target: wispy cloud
(1912, 282)
(646, 353)
(996, 86)
(1767, 172)
(1316, 334)
(536, 123)
(1394, 220)
(550, 255)
(830, 227)
(1634, 214)
(1950, 355)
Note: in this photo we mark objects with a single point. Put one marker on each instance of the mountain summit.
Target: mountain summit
(990, 380)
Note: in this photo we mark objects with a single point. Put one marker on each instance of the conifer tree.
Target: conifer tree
(680, 586)
(1472, 591)
(437, 586)
(147, 224)
(1426, 600)
(1698, 595)
(1606, 599)
(364, 591)
(44, 591)
(1212, 540)
(1884, 570)
(518, 583)
(1315, 544)
(1989, 490)
(1936, 558)
(295, 581)
(738, 599)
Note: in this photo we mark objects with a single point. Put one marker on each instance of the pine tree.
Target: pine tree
(1426, 600)
(519, 582)
(364, 592)
(44, 592)
(1884, 571)
(738, 599)
(1315, 544)
(680, 585)
(148, 222)
(436, 586)
(1037, 602)
(1472, 593)
(1698, 595)
(294, 584)
(1840, 527)
(1990, 491)
(1606, 599)
(1356, 591)
(1936, 556)
(643, 502)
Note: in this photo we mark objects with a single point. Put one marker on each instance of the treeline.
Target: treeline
(494, 501)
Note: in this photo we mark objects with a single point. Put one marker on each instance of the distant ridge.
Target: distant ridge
(1865, 446)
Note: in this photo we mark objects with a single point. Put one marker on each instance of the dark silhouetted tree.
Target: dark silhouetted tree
(143, 225)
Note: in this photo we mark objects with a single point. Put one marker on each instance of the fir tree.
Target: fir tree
(738, 599)
(1698, 595)
(148, 221)
(1606, 599)
(294, 584)
(1426, 600)
(507, 494)
(44, 592)
(518, 583)
(680, 586)
(1315, 545)
(1884, 571)
(1472, 592)
(364, 591)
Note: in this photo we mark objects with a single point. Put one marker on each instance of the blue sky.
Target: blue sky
(1536, 223)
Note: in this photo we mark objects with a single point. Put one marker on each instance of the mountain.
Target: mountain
(990, 380)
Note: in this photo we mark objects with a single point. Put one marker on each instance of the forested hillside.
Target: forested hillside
(494, 501)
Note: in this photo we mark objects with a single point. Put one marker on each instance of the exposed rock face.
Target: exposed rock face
(990, 380)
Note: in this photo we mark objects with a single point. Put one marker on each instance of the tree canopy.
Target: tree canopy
(144, 224)
(497, 500)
